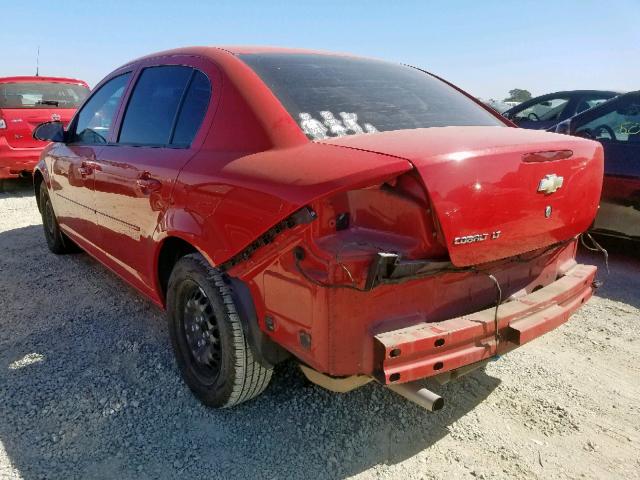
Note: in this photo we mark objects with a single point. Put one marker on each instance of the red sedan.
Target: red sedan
(25, 102)
(367, 218)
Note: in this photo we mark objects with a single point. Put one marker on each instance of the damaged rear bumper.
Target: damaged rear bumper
(430, 349)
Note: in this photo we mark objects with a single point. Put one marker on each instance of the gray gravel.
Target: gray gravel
(89, 389)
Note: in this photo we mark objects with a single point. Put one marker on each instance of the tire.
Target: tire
(57, 241)
(207, 337)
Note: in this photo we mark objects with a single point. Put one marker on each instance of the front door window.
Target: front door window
(94, 121)
(545, 111)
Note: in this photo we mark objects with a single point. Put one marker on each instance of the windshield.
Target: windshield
(42, 95)
(332, 96)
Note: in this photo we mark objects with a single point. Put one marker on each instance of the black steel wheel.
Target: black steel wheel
(57, 241)
(202, 334)
(208, 340)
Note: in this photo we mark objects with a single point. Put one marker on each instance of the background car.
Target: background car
(25, 102)
(541, 113)
(497, 105)
(615, 124)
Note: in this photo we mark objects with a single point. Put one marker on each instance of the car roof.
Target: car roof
(562, 93)
(37, 78)
(604, 105)
(219, 51)
(577, 92)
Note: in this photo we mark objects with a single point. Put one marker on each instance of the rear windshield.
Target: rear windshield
(41, 95)
(332, 96)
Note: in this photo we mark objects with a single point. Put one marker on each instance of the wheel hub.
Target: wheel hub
(201, 331)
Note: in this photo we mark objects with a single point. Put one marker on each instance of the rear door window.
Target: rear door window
(154, 104)
(95, 119)
(619, 123)
(192, 110)
(590, 101)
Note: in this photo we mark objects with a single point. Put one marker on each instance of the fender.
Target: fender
(42, 169)
(267, 352)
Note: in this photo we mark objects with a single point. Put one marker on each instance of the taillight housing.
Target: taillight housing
(393, 215)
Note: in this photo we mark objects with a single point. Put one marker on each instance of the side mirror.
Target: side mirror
(49, 132)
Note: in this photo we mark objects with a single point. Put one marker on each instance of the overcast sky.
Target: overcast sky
(485, 47)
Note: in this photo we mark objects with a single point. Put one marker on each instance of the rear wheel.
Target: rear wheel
(208, 340)
(57, 241)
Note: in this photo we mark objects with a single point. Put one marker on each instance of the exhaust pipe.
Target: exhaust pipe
(419, 395)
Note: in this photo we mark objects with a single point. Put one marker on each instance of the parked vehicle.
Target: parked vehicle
(615, 124)
(541, 113)
(25, 102)
(497, 105)
(365, 217)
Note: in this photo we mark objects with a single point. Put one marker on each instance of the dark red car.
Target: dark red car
(26, 102)
(367, 218)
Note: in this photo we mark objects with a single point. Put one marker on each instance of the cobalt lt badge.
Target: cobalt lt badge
(547, 211)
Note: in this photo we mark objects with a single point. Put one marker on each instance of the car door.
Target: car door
(73, 163)
(138, 170)
(616, 125)
(542, 114)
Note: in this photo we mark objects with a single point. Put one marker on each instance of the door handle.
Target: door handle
(147, 184)
(85, 169)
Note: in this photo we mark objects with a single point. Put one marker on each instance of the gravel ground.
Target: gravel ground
(89, 389)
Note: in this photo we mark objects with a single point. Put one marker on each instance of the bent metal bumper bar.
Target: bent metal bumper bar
(429, 349)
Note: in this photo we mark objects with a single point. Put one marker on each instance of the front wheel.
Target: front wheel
(208, 340)
(57, 241)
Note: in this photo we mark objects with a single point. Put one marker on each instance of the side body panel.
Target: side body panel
(72, 188)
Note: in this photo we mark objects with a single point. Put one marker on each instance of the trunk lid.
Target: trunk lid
(22, 121)
(484, 185)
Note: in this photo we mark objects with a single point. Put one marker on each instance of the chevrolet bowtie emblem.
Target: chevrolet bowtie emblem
(550, 183)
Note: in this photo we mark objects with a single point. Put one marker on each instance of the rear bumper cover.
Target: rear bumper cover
(16, 160)
(429, 349)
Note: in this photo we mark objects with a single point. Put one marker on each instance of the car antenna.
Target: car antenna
(38, 62)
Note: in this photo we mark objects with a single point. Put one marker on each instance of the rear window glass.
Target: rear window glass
(153, 106)
(42, 95)
(331, 96)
